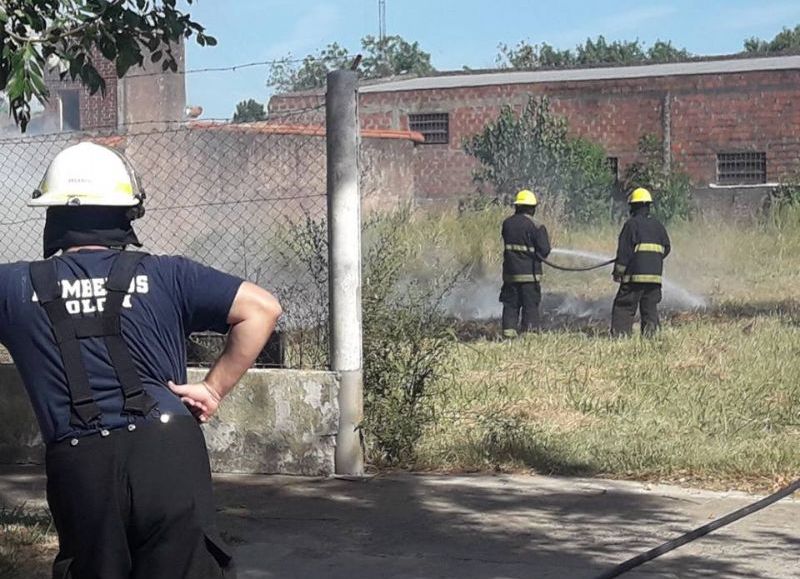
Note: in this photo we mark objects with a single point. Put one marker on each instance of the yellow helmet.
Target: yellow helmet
(526, 197)
(640, 195)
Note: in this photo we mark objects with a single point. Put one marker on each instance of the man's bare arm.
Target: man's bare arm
(253, 316)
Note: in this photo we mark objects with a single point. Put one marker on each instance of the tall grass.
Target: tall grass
(715, 397)
(712, 399)
(728, 262)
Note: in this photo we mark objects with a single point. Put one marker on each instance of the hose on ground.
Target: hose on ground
(699, 532)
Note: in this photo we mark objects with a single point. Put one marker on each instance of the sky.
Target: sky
(456, 33)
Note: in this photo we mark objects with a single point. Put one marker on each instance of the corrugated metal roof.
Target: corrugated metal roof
(587, 74)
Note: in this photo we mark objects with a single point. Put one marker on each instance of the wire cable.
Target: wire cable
(231, 68)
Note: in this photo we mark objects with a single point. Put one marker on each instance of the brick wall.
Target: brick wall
(96, 111)
(145, 99)
(710, 113)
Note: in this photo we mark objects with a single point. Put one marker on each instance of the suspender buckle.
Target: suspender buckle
(139, 403)
(84, 412)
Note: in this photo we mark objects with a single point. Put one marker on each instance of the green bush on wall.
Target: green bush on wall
(672, 190)
(532, 149)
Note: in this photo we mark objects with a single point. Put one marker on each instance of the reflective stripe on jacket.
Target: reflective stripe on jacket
(643, 245)
(523, 239)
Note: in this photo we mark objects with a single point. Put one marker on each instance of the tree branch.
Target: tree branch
(49, 35)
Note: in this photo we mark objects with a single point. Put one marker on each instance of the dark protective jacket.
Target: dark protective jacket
(523, 239)
(643, 245)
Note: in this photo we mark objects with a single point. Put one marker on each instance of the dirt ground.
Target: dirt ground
(479, 526)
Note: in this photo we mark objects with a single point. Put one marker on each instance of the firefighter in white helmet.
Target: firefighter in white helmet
(98, 335)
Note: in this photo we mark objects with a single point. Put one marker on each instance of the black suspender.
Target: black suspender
(45, 284)
(69, 330)
(137, 401)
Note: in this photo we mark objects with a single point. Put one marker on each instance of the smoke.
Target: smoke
(477, 298)
(474, 299)
(676, 297)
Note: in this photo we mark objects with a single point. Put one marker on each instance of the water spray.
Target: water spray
(684, 296)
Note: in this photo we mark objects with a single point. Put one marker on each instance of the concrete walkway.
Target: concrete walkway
(481, 527)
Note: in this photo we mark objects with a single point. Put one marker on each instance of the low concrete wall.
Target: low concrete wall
(740, 203)
(275, 421)
(20, 441)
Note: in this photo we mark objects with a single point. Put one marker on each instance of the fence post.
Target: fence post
(344, 246)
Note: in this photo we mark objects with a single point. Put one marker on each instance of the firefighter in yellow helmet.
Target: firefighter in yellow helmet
(643, 245)
(524, 242)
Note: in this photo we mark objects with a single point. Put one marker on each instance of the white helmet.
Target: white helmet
(88, 174)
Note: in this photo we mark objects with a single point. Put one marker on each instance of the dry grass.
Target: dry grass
(710, 400)
(714, 399)
(28, 543)
(727, 262)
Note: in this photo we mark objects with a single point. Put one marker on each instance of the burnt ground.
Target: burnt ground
(565, 313)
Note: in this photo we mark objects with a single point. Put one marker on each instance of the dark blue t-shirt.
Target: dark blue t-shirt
(171, 297)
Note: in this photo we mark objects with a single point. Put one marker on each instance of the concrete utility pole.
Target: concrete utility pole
(666, 129)
(344, 246)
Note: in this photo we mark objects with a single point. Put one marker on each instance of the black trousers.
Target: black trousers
(520, 297)
(136, 504)
(632, 296)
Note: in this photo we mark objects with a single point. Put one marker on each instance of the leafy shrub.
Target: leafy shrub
(305, 292)
(533, 150)
(407, 339)
(672, 190)
(783, 203)
(787, 193)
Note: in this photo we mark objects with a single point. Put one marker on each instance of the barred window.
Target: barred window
(613, 167)
(435, 127)
(741, 168)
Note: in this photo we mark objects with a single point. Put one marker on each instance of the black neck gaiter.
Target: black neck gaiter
(67, 227)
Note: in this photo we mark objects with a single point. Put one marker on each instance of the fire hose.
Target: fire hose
(700, 532)
(583, 268)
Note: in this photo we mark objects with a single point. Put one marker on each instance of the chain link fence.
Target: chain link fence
(246, 199)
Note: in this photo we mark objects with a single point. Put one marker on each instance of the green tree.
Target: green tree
(62, 34)
(672, 190)
(787, 40)
(533, 149)
(249, 111)
(394, 55)
(526, 56)
(600, 51)
(286, 76)
(664, 52)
